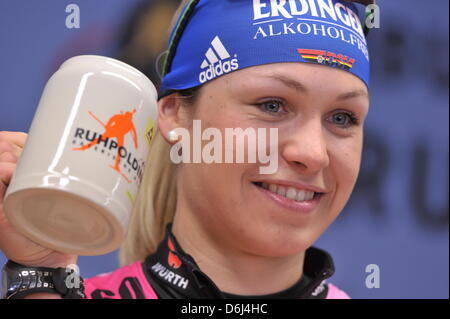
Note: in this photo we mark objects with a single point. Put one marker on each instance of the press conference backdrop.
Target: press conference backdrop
(397, 219)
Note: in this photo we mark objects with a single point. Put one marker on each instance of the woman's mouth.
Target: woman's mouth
(290, 197)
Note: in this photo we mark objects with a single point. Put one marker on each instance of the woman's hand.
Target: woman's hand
(14, 245)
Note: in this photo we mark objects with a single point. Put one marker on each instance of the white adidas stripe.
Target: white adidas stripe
(220, 49)
(205, 64)
(211, 56)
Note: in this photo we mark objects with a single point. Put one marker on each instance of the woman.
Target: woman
(225, 230)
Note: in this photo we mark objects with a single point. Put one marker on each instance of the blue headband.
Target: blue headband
(216, 37)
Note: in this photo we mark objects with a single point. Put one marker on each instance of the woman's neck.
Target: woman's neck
(233, 270)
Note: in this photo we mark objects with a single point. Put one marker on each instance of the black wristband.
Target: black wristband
(66, 288)
(20, 281)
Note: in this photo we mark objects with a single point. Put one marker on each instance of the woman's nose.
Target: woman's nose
(306, 148)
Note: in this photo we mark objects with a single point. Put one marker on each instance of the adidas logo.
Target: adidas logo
(218, 61)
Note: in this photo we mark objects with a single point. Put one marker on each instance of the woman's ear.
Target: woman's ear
(169, 115)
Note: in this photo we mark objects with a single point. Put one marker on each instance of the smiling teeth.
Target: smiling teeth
(289, 192)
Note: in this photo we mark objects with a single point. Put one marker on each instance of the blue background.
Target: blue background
(397, 217)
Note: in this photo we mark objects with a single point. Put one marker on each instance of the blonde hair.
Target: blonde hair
(155, 203)
(154, 207)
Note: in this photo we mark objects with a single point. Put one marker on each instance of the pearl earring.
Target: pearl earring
(173, 136)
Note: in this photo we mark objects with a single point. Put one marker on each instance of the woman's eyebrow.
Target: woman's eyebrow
(352, 94)
(293, 84)
(298, 86)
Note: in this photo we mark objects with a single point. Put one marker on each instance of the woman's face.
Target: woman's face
(319, 112)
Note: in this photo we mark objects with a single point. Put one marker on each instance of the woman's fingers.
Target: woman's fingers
(11, 145)
(6, 172)
(9, 157)
(16, 138)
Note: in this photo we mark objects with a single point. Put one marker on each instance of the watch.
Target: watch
(19, 281)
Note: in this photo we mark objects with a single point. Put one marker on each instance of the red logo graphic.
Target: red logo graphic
(327, 57)
(117, 127)
(173, 259)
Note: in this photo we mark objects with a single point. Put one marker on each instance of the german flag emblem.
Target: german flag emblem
(327, 58)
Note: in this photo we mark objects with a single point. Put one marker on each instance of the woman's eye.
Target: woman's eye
(344, 119)
(272, 106)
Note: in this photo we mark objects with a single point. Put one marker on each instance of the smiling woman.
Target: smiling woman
(221, 229)
(267, 222)
(228, 221)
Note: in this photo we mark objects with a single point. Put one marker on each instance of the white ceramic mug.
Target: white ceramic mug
(84, 157)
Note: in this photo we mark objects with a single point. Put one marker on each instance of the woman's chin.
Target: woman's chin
(279, 243)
